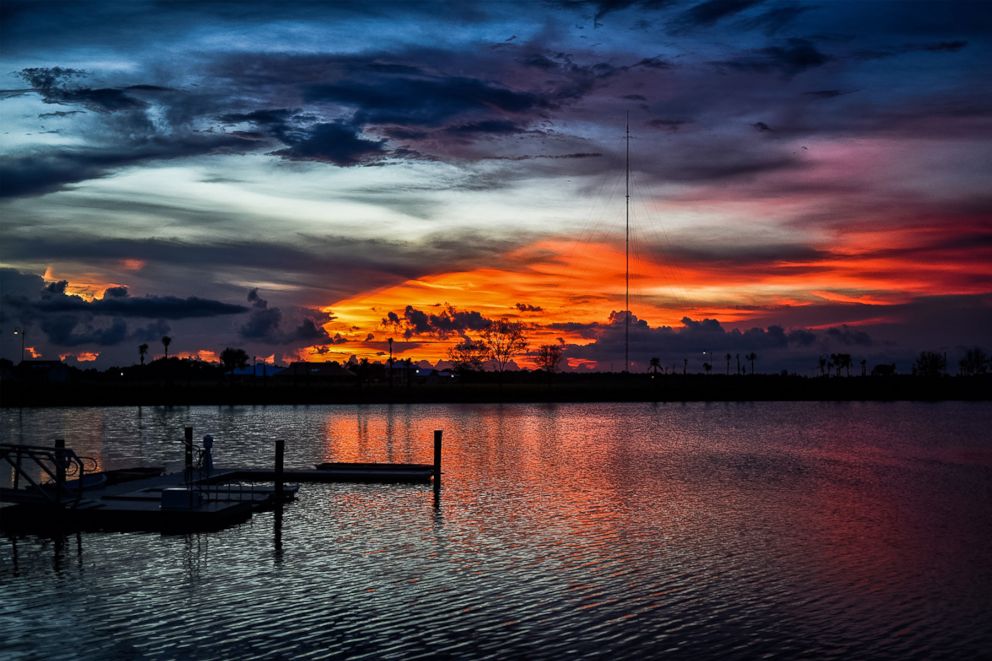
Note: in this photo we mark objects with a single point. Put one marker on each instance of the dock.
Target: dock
(149, 499)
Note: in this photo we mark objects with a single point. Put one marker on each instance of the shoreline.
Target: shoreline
(567, 388)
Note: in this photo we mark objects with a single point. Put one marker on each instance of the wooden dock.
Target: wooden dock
(147, 498)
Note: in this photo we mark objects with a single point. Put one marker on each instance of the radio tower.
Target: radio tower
(626, 330)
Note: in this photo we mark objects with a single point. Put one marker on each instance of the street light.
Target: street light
(390, 363)
(20, 331)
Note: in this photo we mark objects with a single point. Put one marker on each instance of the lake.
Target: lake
(732, 530)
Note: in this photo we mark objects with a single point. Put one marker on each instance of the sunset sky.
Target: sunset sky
(309, 179)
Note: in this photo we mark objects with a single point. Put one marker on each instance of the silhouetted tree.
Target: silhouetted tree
(707, 367)
(233, 359)
(142, 350)
(823, 363)
(654, 366)
(504, 339)
(751, 357)
(166, 341)
(738, 363)
(549, 356)
(864, 367)
(728, 364)
(929, 363)
(468, 355)
(884, 369)
(843, 361)
(975, 362)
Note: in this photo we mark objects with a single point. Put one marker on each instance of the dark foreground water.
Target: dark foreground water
(834, 530)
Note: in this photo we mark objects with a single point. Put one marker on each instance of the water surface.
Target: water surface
(734, 530)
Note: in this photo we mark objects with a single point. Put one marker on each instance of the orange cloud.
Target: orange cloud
(132, 264)
(205, 355)
(81, 357)
(88, 286)
(575, 282)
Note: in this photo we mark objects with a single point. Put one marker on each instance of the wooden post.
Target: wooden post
(189, 454)
(437, 459)
(280, 452)
(60, 468)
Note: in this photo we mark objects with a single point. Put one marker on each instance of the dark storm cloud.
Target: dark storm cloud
(791, 58)
(694, 337)
(825, 94)
(61, 113)
(29, 297)
(914, 325)
(489, 126)
(337, 142)
(850, 336)
(162, 307)
(668, 124)
(275, 120)
(53, 85)
(66, 320)
(68, 330)
(776, 19)
(730, 254)
(707, 340)
(264, 325)
(422, 100)
(526, 307)
(894, 51)
(530, 157)
(602, 8)
(710, 12)
(444, 323)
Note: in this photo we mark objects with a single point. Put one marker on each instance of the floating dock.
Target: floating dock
(146, 498)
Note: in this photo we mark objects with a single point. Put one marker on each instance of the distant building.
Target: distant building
(44, 371)
(430, 375)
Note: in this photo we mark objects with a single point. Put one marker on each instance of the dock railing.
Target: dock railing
(36, 461)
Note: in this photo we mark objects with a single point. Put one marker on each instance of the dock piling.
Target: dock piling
(437, 459)
(59, 468)
(280, 453)
(189, 454)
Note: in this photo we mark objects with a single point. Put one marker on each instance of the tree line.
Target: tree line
(504, 340)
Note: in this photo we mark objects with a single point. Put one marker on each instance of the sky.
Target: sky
(306, 180)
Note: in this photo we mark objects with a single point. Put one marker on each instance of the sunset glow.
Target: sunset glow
(287, 196)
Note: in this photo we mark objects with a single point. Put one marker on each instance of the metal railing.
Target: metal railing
(52, 466)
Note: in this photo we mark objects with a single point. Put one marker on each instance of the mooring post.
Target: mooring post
(280, 452)
(189, 455)
(60, 468)
(437, 459)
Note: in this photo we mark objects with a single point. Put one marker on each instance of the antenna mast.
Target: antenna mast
(626, 331)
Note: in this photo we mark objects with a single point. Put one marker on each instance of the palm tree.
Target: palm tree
(738, 363)
(751, 357)
(707, 367)
(841, 361)
(142, 350)
(654, 365)
(728, 364)
(823, 364)
(166, 341)
(834, 362)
